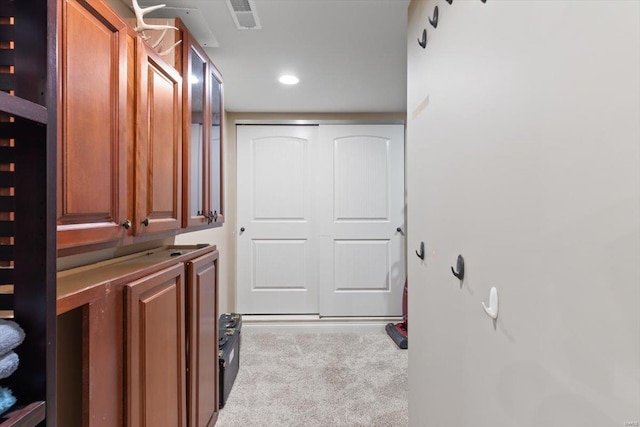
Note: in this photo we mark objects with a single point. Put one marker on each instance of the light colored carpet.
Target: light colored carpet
(323, 379)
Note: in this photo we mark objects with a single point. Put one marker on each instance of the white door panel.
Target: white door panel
(276, 270)
(361, 265)
(362, 262)
(280, 181)
(361, 186)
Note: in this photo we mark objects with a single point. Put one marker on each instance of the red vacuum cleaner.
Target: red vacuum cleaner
(399, 332)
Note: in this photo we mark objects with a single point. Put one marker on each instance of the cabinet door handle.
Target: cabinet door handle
(212, 217)
(242, 229)
(127, 224)
(145, 222)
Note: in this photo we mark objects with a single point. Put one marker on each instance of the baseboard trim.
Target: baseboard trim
(315, 323)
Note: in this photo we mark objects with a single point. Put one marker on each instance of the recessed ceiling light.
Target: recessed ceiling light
(288, 79)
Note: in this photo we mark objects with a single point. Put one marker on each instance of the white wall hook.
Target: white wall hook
(492, 310)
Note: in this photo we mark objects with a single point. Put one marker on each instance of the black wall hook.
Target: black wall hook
(459, 267)
(423, 42)
(421, 253)
(434, 21)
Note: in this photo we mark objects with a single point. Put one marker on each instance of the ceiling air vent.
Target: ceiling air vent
(244, 14)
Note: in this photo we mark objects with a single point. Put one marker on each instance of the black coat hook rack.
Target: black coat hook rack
(460, 267)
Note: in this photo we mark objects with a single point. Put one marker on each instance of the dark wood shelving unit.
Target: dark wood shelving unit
(23, 108)
(28, 73)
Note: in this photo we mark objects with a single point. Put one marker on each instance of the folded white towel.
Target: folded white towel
(8, 364)
(7, 400)
(11, 335)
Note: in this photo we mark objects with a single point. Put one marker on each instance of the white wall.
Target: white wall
(523, 148)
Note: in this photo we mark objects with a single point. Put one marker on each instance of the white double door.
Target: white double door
(320, 219)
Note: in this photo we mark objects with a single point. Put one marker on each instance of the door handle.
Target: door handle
(421, 253)
(212, 217)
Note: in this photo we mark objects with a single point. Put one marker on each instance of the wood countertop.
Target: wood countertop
(83, 285)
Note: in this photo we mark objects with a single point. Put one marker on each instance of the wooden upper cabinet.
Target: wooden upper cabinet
(92, 150)
(155, 356)
(202, 110)
(139, 142)
(158, 157)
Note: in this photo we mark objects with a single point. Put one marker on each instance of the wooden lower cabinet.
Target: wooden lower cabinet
(155, 355)
(148, 340)
(202, 379)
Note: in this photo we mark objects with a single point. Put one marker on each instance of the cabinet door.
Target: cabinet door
(203, 109)
(155, 356)
(194, 134)
(202, 285)
(214, 171)
(92, 175)
(158, 144)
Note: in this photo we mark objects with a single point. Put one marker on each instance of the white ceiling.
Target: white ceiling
(350, 55)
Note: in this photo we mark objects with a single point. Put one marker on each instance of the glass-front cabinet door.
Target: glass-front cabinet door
(195, 137)
(202, 136)
(215, 152)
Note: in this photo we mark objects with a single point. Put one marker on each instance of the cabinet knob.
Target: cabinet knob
(242, 229)
(127, 224)
(145, 222)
